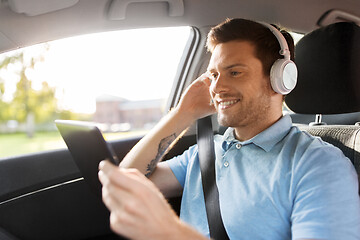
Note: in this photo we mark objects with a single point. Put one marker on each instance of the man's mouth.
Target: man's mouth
(227, 104)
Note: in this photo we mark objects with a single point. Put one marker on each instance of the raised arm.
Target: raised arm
(146, 154)
(138, 209)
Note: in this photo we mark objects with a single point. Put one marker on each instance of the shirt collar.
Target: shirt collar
(268, 138)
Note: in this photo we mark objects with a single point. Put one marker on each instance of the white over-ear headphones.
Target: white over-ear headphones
(283, 73)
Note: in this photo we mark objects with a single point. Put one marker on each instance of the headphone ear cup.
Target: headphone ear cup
(283, 76)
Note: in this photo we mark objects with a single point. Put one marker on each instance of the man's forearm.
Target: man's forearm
(153, 147)
(194, 104)
(163, 148)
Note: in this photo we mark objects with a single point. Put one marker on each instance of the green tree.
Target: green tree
(40, 103)
(6, 112)
(28, 105)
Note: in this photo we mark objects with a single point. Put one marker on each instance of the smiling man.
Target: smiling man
(274, 181)
(240, 90)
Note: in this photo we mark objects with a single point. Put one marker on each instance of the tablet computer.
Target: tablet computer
(88, 148)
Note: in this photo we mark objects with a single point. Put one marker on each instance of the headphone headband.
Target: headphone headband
(284, 48)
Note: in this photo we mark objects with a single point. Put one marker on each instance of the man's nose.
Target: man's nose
(219, 85)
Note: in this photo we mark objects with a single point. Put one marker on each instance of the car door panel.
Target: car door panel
(24, 174)
(43, 196)
(67, 211)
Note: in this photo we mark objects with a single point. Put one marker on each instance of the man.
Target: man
(274, 181)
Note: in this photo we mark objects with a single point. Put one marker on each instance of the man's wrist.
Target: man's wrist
(184, 231)
(183, 117)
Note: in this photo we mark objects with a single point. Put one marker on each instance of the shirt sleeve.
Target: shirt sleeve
(326, 200)
(179, 164)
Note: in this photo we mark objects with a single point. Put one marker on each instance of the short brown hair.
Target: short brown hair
(266, 45)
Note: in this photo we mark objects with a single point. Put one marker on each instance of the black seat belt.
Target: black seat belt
(205, 141)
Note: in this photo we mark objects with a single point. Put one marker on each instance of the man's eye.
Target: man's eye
(213, 76)
(234, 73)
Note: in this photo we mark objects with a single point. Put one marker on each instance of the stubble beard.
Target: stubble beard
(249, 113)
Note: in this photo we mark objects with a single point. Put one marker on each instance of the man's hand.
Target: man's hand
(196, 100)
(138, 209)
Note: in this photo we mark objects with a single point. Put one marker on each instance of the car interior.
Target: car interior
(43, 194)
(328, 79)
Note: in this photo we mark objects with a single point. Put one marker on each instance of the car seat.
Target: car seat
(328, 61)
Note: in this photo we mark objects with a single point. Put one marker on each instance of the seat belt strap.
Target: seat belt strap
(205, 141)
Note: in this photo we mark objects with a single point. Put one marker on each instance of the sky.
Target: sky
(133, 64)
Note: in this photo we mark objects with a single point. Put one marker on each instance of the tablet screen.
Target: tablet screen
(88, 148)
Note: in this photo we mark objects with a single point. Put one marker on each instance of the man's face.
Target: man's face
(240, 91)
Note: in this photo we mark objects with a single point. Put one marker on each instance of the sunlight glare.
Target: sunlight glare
(85, 67)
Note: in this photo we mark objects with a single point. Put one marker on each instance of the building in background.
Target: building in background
(119, 114)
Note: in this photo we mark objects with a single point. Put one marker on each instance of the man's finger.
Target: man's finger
(127, 179)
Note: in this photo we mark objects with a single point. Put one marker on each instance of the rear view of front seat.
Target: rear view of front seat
(328, 61)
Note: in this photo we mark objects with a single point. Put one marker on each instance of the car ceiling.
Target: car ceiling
(26, 22)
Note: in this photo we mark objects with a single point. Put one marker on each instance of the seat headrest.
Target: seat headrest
(328, 62)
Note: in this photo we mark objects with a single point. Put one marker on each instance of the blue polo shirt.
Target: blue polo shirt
(281, 184)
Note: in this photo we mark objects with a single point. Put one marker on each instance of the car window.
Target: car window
(120, 80)
(296, 36)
